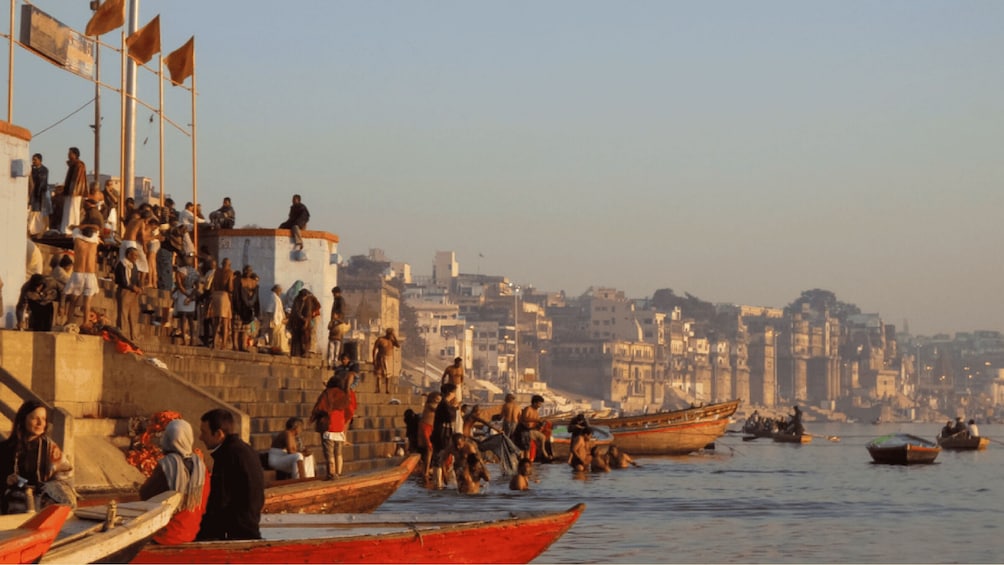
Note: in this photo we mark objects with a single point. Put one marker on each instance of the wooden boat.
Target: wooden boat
(29, 541)
(677, 432)
(97, 534)
(353, 494)
(381, 538)
(561, 440)
(961, 443)
(782, 437)
(903, 449)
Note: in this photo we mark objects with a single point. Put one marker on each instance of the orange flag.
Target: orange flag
(181, 62)
(110, 14)
(145, 43)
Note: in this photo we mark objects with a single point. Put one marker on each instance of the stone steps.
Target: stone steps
(271, 389)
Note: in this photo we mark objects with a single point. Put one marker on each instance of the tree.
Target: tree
(665, 300)
(820, 300)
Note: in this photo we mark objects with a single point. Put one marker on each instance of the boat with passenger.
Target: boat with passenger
(963, 442)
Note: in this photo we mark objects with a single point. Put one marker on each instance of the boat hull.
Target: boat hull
(508, 540)
(903, 449)
(792, 438)
(350, 495)
(561, 441)
(30, 540)
(964, 443)
(670, 433)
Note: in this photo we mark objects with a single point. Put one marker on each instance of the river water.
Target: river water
(765, 502)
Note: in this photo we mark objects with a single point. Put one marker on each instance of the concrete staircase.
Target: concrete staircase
(272, 388)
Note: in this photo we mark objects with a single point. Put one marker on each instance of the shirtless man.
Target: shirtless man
(455, 374)
(521, 480)
(83, 282)
(461, 449)
(133, 237)
(383, 348)
(425, 431)
(580, 457)
(473, 472)
(529, 418)
(617, 459)
(510, 415)
(599, 463)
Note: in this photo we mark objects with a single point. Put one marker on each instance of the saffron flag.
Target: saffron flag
(181, 62)
(145, 43)
(111, 14)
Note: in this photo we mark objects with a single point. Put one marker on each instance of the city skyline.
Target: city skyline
(739, 152)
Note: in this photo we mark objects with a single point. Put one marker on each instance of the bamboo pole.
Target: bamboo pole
(160, 112)
(195, 165)
(10, 67)
(122, 185)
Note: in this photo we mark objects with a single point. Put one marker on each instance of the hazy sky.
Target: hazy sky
(739, 151)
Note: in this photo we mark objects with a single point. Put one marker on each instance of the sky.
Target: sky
(739, 151)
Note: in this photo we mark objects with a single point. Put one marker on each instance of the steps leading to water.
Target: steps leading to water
(271, 388)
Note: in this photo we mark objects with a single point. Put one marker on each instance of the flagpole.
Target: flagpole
(122, 111)
(10, 66)
(160, 81)
(97, 108)
(129, 125)
(195, 165)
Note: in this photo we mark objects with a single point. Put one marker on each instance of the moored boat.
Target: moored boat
(903, 449)
(677, 432)
(381, 538)
(99, 534)
(30, 540)
(352, 494)
(960, 442)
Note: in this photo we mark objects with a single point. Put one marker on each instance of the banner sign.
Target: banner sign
(49, 38)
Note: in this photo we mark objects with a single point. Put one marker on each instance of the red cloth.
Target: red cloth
(339, 405)
(184, 525)
(425, 435)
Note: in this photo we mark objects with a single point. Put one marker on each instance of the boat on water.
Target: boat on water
(346, 495)
(561, 440)
(961, 442)
(676, 432)
(903, 449)
(29, 541)
(783, 437)
(381, 538)
(101, 534)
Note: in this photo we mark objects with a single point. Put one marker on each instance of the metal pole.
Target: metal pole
(97, 107)
(122, 145)
(160, 82)
(129, 125)
(515, 334)
(195, 165)
(10, 67)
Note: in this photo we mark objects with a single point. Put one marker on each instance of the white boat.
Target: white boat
(99, 534)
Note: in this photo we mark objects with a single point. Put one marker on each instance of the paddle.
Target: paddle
(749, 438)
(996, 440)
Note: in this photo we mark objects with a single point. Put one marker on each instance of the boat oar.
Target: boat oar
(749, 438)
(995, 440)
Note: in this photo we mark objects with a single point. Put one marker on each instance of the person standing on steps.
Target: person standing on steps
(331, 415)
(383, 349)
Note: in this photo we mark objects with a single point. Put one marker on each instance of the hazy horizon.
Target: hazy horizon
(741, 152)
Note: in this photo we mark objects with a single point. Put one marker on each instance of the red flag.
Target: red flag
(145, 43)
(111, 14)
(181, 62)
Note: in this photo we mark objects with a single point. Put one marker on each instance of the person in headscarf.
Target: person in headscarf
(182, 471)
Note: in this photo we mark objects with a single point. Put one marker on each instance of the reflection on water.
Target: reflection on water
(761, 501)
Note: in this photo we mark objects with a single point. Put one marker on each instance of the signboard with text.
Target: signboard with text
(49, 38)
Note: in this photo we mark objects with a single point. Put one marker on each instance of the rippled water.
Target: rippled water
(760, 502)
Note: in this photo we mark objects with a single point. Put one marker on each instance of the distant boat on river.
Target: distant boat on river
(903, 449)
(961, 442)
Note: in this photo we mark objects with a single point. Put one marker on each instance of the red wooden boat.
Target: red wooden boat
(380, 538)
(670, 433)
(353, 494)
(903, 449)
(29, 541)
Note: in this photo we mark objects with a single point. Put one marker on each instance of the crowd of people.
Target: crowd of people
(212, 304)
(451, 437)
